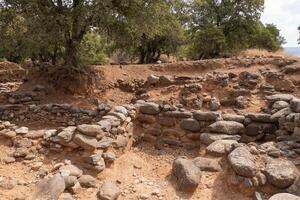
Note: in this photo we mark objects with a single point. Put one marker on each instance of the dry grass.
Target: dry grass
(262, 52)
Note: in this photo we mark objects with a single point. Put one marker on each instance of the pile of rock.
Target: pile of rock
(64, 114)
(70, 181)
(99, 140)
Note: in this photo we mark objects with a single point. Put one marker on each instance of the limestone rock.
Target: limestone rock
(214, 104)
(242, 162)
(150, 108)
(90, 130)
(295, 105)
(233, 117)
(108, 191)
(284, 196)
(87, 181)
(49, 188)
(280, 173)
(206, 116)
(190, 125)
(227, 127)
(207, 164)
(66, 135)
(220, 147)
(260, 117)
(280, 97)
(22, 130)
(86, 142)
(187, 174)
(208, 138)
(71, 170)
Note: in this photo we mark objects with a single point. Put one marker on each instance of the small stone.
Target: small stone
(285, 196)
(70, 181)
(109, 157)
(72, 169)
(108, 191)
(214, 104)
(22, 130)
(121, 141)
(9, 160)
(87, 181)
(144, 196)
(258, 196)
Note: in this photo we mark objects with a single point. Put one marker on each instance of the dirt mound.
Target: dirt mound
(10, 72)
(8, 66)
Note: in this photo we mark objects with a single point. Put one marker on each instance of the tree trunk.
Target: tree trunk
(71, 53)
(142, 55)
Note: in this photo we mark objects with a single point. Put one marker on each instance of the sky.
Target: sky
(286, 15)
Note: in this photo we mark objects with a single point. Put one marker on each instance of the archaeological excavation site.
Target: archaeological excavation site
(219, 129)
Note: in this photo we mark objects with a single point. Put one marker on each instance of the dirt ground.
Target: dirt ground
(142, 171)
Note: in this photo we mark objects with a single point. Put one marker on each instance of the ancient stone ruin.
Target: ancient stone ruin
(212, 128)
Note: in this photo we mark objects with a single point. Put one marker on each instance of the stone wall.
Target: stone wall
(165, 124)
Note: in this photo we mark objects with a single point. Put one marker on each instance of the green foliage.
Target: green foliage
(77, 32)
(92, 49)
(267, 37)
(208, 42)
(221, 26)
(161, 32)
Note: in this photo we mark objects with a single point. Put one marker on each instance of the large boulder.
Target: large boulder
(50, 188)
(227, 127)
(187, 174)
(280, 173)
(284, 196)
(108, 191)
(243, 162)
